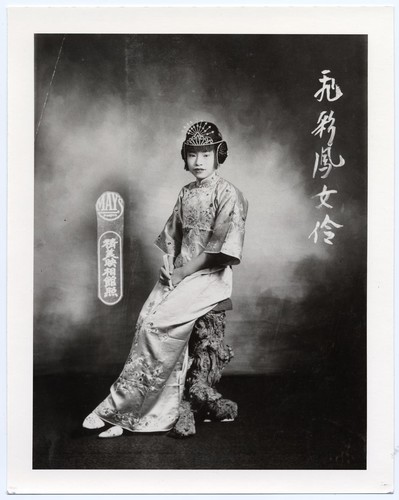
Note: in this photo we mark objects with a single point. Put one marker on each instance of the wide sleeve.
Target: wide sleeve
(169, 241)
(229, 227)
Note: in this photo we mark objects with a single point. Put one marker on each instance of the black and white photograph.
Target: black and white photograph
(200, 250)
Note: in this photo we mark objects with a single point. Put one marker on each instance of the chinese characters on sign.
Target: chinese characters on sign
(110, 209)
(110, 246)
(325, 160)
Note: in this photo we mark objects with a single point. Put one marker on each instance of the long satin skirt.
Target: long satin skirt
(147, 394)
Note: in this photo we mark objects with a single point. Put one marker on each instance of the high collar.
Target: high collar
(209, 181)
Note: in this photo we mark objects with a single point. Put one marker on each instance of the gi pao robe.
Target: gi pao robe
(209, 216)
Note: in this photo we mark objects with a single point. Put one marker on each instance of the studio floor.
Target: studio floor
(285, 421)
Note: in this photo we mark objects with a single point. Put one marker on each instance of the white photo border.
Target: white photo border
(377, 23)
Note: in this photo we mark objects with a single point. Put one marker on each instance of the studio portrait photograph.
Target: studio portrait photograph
(202, 275)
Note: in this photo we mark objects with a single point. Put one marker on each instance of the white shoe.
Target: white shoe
(112, 432)
(93, 421)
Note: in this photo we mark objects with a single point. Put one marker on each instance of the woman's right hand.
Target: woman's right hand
(164, 276)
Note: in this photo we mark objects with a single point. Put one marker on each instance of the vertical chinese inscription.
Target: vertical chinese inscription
(110, 211)
(326, 160)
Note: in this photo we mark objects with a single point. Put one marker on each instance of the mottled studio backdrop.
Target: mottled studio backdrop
(113, 119)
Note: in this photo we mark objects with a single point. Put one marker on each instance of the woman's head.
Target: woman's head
(204, 138)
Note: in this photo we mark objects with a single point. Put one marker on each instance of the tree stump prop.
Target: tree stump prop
(208, 356)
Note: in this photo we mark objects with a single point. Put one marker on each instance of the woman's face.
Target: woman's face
(201, 163)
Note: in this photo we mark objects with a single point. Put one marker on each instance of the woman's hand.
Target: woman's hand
(164, 276)
(166, 270)
(177, 276)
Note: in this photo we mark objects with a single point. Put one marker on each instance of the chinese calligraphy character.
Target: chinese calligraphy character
(110, 281)
(109, 271)
(323, 121)
(110, 253)
(110, 292)
(324, 196)
(328, 84)
(329, 234)
(324, 162)
(110, 262)
(109, 243)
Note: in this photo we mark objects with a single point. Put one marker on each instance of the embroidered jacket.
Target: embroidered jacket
(209, 216)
